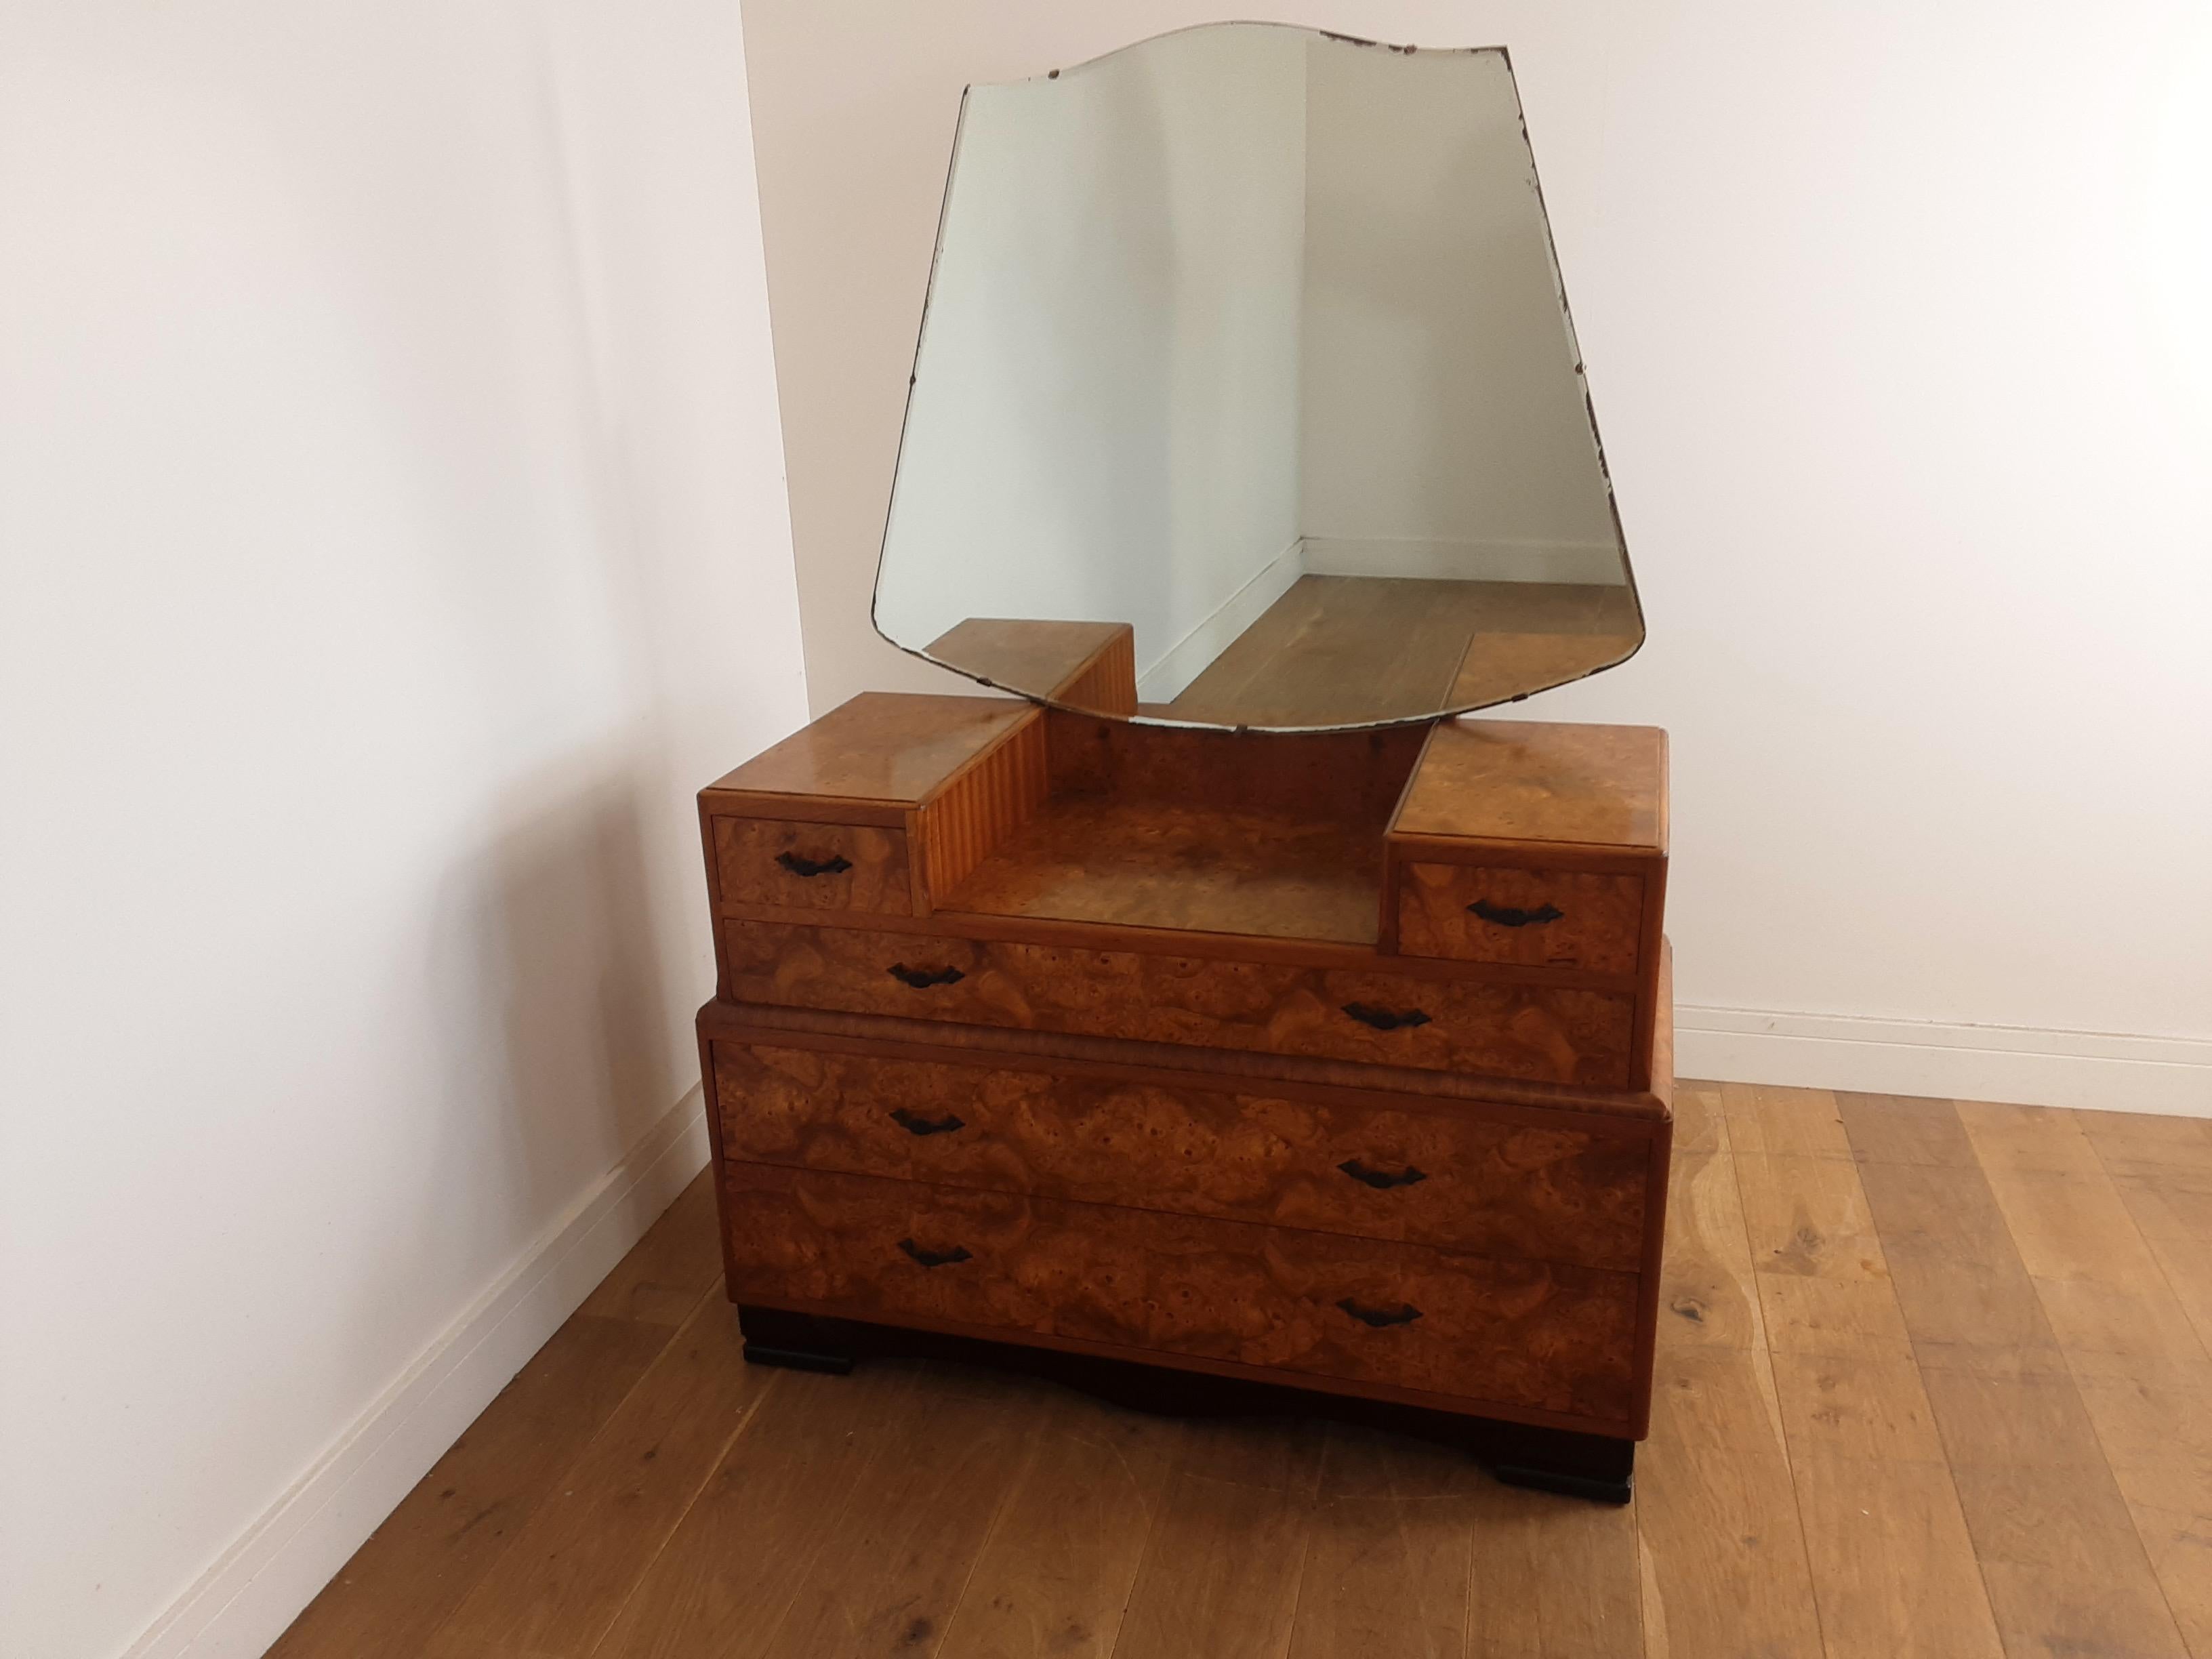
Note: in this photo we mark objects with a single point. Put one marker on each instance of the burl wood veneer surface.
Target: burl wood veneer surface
(1591, 786)
(1543, 1033)
(1521, 1333)
(748, 864)
(1190, 868)
(1458, 1182)
(1935, 1382)
(891, 749)
(1596, 923)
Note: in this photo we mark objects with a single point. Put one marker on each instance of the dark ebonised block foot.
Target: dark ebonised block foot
(1590, 1466)
(795, 1342)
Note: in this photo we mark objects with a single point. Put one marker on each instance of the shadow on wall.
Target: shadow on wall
(563, 1059)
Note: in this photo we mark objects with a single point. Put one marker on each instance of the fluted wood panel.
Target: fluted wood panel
(1107, 685)
(995, 793)
(1440, 1176)
(1508, 1334)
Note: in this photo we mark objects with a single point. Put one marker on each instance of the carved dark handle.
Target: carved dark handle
(922, 978)
(925, 1125)
(798, 866)
(1404, 1314)
(1381, 1180)
(1383, 1019)
(958, 1252)
(1506, 916)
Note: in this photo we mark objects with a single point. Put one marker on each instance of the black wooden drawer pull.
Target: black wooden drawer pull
(1381, 1179)
(835, 864)
(1506, 916)
(1404, 1314)
(925, 1125)
(958, 1254)
(922, 978)
(1384, 1019)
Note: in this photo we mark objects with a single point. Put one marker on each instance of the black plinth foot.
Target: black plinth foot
(1590, 1465)
(1593, 1467)
(793, 1341)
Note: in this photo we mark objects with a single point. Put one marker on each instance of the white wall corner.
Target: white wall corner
(2088, 1071)
(1193, 654)
(258, 1585)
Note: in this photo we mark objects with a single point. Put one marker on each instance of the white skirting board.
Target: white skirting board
(1193, 654)
(258, 1585)
(1583, 563)
(2090, 1070)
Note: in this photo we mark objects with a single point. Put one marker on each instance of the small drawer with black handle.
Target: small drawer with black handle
(812, 866)
(1523, 918)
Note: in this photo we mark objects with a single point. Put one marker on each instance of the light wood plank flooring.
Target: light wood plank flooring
(1934, 1381)
(1339, 650)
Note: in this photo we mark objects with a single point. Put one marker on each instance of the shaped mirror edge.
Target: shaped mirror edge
(1057, 653)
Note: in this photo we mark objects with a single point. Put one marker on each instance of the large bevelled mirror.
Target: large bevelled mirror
(1246, 396)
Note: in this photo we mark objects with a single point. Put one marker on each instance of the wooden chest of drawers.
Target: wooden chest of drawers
(1336, 1059)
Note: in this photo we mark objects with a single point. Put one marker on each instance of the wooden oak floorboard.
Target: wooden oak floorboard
(678, 1261)
(1823, 1278)
(1700, 1120)
(1893, 1564)
(1221, 1573)
(446, 1533)
(2064, 1570)
(899, 1557)
(1725, 1567)
(1800, 1122)
(1388, 1558)
(2143, 1376)
(1707, 1294)
(722, 1586)
(1552, 1580)
(1056, 1576)
(555, 1591)
(1904, 1129)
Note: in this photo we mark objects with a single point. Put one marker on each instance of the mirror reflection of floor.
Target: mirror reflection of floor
(1339, 650)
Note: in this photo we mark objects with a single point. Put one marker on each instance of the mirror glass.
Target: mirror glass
(1246, 396)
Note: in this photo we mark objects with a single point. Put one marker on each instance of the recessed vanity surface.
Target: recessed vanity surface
(1223, 1012)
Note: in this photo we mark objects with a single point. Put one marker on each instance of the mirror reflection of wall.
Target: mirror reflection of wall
(1250, 339)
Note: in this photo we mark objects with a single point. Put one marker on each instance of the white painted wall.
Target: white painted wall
(1444, 427)
(1105, 420)
(394, 542)
(1895, 318)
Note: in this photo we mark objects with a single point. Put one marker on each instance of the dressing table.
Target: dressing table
(1225, 1020)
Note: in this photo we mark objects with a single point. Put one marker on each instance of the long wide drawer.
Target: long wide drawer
(1514, 1333)
(1435, 1175)
(1543, 1033)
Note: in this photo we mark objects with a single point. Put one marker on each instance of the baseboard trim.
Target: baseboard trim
(258, 1585)
(1193, 654)
(2092, 1070)
(1583, 563)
